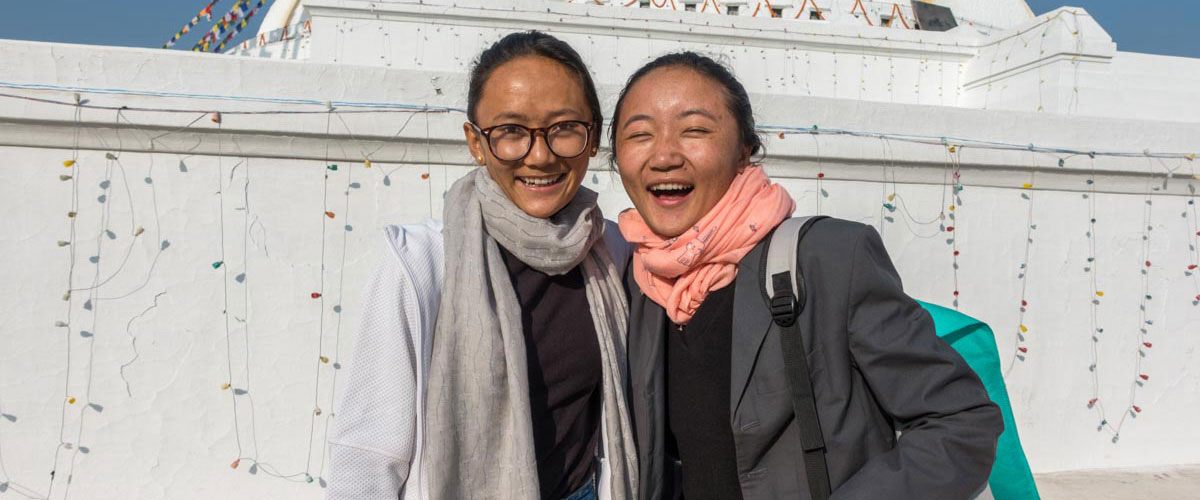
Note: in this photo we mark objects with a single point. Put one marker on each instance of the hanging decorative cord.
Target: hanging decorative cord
(933, 140)
(369, 107)
(337, 309)
(135, 231)
(76, 445)
(950, 226)
(66, 323)
(320, 296)
(821, 193)
(382, 107)
(888, 168)
(247, 226)
(230, 383)
(894, 202)
(257, 465)
(1192, 223)
(1140, 378)
(1020, 350)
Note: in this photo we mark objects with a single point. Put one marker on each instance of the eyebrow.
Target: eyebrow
(515, 116)
(684, 114)
(562, 112)
(635, 118)
(697, 111)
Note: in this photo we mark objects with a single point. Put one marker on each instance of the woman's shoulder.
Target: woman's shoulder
(842, 228)
(410, 241)
(836, 238)
(417, 236)
(418, 247)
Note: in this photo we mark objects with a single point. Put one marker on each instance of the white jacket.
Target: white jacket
(378, 428)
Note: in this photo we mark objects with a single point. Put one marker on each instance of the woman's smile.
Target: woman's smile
(542, 183)
(670, 194)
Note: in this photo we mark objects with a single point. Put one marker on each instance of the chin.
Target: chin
(542, 208)
(540, 212)
(666, 227)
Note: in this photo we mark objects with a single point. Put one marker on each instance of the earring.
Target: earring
(479, 159)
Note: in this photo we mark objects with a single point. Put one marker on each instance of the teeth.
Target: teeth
(670, 186)
(541, 181)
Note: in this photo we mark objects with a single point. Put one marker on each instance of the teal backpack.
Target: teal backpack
(1011, 478)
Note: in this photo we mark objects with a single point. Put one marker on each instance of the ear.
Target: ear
(744, 159)
(595, 145)
(475, 143)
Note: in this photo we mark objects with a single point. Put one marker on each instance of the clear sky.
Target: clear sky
(1170, 27)
(133, 23)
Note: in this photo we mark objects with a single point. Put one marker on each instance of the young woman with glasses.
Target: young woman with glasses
(490, 359)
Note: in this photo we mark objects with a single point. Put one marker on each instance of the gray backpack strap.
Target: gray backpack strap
(781, 255)
(783, 286)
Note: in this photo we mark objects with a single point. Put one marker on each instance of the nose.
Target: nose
(539, 152)
(666, 155)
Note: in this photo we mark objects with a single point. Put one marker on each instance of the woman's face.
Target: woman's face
(532, 91)
(678, 148)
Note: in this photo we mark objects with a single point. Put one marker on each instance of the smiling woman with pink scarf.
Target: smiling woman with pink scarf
(714, 393)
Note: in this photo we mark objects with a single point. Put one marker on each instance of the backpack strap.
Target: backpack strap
(783, 287)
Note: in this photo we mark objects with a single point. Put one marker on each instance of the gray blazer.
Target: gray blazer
(877, 368)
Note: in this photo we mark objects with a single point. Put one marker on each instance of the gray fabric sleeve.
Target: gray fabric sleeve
(948, 425)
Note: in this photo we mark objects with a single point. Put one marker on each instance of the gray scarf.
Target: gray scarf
(478, 431)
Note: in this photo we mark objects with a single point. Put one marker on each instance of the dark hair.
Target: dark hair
(735, 94)
(531, 43)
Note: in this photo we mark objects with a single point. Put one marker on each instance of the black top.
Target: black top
(565, 390)
(698, 413)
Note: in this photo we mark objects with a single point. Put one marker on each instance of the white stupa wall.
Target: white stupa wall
(1061, 62)
(166, 429)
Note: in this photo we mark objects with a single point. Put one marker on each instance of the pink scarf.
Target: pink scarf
(678, 273)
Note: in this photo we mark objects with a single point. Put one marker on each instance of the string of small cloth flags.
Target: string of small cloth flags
(229, 26)
(206, 12)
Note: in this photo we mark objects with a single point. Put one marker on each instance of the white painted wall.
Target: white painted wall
(170, 432)
(1061, 62)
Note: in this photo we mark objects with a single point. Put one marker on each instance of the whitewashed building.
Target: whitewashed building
(185, 234)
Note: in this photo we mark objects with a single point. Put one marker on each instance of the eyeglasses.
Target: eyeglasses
(512, 142)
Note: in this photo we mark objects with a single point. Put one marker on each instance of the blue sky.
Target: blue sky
(133, 23)
(1167, 27)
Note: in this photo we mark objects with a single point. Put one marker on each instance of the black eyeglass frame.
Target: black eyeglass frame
(487, 137)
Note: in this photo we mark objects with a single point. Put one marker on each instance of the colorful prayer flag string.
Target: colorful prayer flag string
(240, 26)
(221, 26)
(239, 11)
(206, 12)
